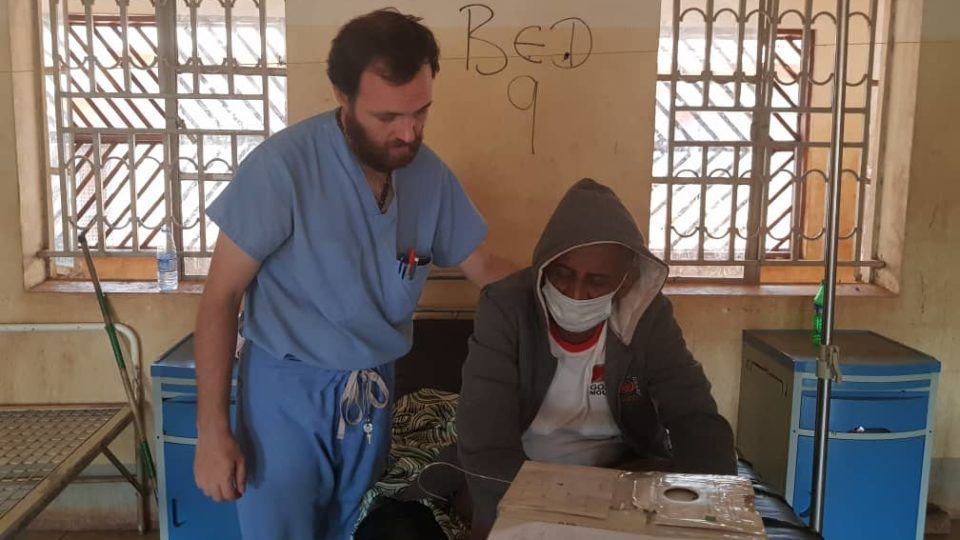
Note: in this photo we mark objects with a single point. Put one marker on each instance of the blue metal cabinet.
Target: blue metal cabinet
(185, 513)
(881, 429)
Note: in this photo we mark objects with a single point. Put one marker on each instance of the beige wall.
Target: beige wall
(591, 121)
(64, 368)
(58, 367)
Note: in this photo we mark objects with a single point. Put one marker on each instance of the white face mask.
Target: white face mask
(577, 315)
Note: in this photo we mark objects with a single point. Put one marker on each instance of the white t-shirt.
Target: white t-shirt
(574, 424)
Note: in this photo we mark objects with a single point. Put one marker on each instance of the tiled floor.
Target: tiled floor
(91, 535)
(132, 535)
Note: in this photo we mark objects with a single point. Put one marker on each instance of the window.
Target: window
(744, 109)
(150, 106)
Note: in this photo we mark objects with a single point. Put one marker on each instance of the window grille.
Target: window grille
(150, 106)
(743, 109)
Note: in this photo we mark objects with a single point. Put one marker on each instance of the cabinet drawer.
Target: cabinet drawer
(876, 412)
(180, 416)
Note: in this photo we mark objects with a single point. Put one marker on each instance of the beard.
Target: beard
(384, 159)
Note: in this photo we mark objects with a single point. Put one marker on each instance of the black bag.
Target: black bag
(399, 520)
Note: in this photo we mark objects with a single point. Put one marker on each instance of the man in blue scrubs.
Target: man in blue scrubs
(327, 230)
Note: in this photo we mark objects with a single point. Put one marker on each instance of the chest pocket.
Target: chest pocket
(402, 287)
(412, 287)
(415, 228)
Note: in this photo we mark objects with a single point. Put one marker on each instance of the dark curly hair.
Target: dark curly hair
(398, 43)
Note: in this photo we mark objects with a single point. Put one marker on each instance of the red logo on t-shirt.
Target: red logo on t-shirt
(597, 386)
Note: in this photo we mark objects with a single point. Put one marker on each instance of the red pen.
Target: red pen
(411, 263)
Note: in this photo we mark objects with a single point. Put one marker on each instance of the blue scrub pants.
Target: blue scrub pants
(303, 482)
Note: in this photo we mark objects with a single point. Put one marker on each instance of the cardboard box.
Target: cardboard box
(559, 502)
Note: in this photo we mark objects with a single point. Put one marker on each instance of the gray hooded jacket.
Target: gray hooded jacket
(657, 391)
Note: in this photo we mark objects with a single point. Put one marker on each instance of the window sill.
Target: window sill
(114, 287)
(706, 289)
(689, 288)
(670, 289)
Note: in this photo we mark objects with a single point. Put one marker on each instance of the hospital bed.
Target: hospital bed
(43, 448)
(440, 347)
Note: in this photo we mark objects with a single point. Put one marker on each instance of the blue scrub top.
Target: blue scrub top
(328, 290)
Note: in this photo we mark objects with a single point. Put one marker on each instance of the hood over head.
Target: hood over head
(591, 213)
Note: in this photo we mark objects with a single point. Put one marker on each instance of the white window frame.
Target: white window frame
(177, 164)
(747, 244)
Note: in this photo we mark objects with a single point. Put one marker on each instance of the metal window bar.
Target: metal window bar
(769, 91)
(872, 21)
(127, 139)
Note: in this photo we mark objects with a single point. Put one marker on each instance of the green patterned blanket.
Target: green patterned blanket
(423, 425)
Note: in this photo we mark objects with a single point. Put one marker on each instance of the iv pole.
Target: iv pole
(828, 364)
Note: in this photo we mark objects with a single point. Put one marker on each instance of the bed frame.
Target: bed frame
(43, 448)
(439, 349)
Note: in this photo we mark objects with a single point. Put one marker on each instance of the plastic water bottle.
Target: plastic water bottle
(168, 275)
(817, 336)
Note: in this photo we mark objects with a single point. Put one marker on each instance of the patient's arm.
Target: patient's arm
(488, 417)
(701, 438)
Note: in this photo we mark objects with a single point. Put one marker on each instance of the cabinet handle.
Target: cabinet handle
(861, 429)
(173, 514)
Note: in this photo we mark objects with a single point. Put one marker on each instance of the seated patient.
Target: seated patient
(579, 360)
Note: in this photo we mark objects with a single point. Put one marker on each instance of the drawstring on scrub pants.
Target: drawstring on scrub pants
(365, 390)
